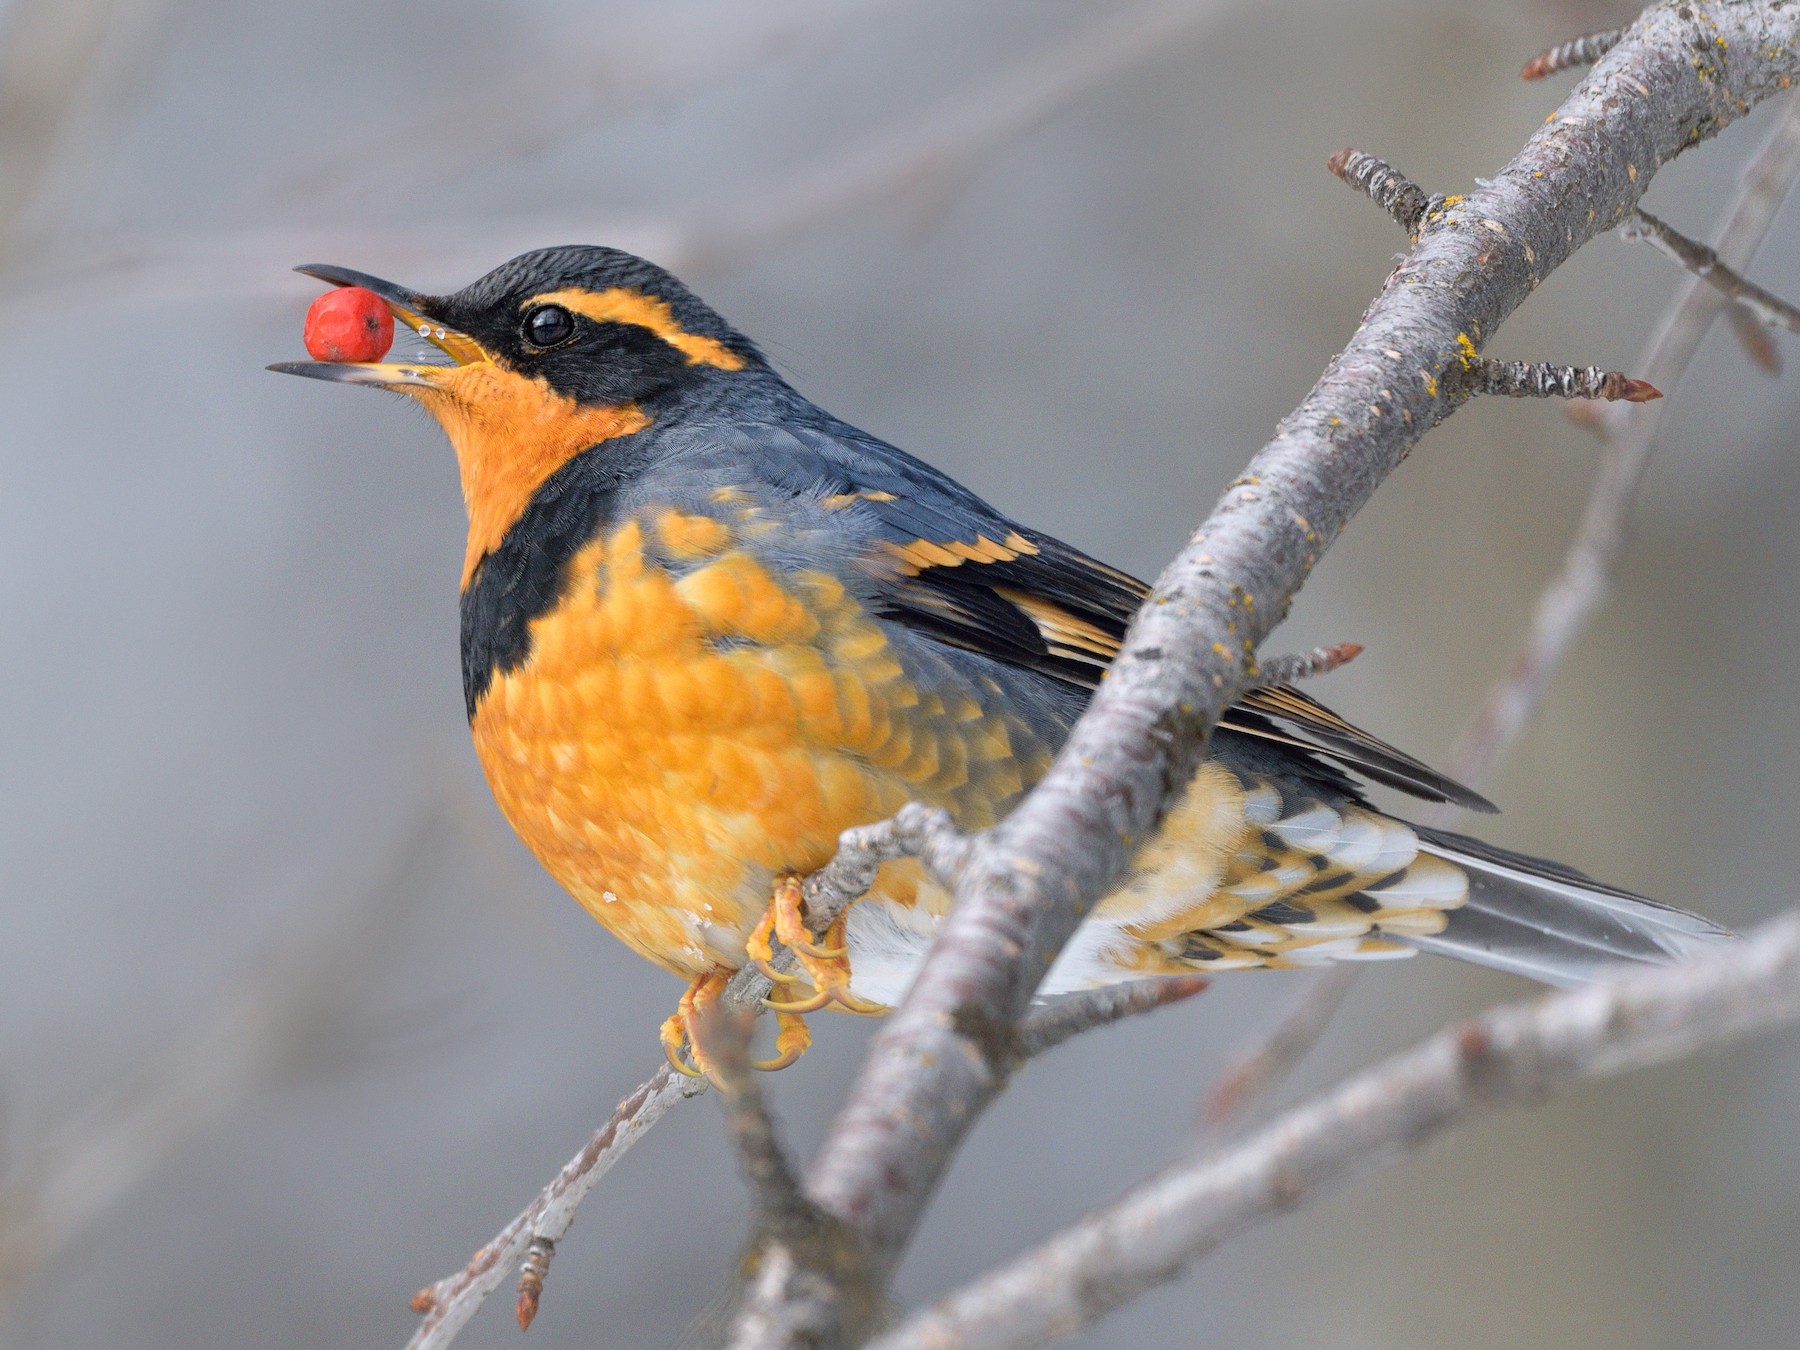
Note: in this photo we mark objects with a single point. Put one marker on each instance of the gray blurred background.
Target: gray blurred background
(290, 1024)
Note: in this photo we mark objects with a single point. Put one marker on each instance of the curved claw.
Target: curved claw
(849, 1002)
(805, 946)
(676, 1032)
(789, 924)
(778, 976)
(805, 1005)
(791, 1042)
(823, 965)
(673, 1036)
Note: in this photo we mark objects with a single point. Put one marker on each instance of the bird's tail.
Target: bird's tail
(1549, 922)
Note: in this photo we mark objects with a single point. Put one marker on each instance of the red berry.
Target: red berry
(349, 324)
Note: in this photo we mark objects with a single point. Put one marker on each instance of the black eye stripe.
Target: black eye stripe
(548, 326)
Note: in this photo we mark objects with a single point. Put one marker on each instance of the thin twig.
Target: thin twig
(1705, 263)
(1045, 1028)
(1404, 200)
(1512, 1056)
(1297, 666)
(1581, 51)
(1537, 379)
(539, 1252)
(1569, 603)
(449, 1303)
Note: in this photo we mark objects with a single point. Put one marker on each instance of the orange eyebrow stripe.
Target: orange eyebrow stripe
(623, 305)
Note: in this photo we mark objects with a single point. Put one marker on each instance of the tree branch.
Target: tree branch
(1494, 727)
(531, 1238)
(1682, 73)
(449, 1303)
(1512, 1056)
(1297, 666)
(1539, 379)
(1408, 203)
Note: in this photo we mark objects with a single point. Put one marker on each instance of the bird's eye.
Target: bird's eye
(549, 325)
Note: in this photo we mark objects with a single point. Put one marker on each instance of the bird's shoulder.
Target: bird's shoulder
(925, 551)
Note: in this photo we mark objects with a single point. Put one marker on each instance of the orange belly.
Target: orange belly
(672, 742)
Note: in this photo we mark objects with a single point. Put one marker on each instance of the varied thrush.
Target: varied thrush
(707, 626)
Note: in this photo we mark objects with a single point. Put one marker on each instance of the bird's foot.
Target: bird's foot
(685, 1049)
(679, 1042)
(825, 966)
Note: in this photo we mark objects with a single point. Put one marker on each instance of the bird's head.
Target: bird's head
(546, 356)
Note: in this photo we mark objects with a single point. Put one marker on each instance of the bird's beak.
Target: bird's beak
(411, 310)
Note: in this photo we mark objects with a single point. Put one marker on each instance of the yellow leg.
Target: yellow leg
(682, 1047)
(786, 908)
(825, 965)
(761, 949)
(677, 1035)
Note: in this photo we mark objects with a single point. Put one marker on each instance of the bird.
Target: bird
(706, 627)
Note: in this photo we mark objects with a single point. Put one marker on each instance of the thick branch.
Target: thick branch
(1512, 1056)
(1683, 72)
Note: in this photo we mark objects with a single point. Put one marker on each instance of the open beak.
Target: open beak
(411, 310)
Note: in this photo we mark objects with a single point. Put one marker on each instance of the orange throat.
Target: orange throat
(511, 433)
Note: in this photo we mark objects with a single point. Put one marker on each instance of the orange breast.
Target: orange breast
(672, 742)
